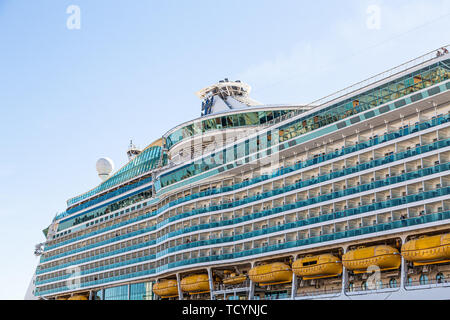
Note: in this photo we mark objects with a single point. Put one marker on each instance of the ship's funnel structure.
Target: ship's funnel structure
(225, 96)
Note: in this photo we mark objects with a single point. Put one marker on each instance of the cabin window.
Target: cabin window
(393, 283)
(379, 285)
(440, 278)
(350, 287)
(364, 286)
(423, 279)
(409, 281)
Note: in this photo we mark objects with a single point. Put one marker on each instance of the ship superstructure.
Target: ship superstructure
(346, 197)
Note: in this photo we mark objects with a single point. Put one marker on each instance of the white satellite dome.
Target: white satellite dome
(105, 166)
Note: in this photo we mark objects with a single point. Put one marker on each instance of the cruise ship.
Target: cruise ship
(343, 198)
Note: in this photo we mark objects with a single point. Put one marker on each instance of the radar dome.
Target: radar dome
(105, 167)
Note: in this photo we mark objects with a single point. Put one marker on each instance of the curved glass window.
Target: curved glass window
(430, 75)
(230, 121)
(116, 293)
(141, 291)
(114, 206)
(368, 100)
(146, 161)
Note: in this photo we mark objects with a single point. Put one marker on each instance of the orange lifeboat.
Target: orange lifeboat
(271, 274)
(195, 284)
(428, 250)
(234, 279)
(78, 298)
(360, 260)
(166, 289)
(318, 267)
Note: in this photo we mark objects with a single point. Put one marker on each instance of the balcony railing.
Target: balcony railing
(435, 217)
(278, 172)
(432, 55)
(318, 292)
(427, 284)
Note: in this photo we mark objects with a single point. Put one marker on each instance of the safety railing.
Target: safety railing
(278, 172)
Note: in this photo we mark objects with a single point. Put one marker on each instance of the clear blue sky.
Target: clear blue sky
(68, 97)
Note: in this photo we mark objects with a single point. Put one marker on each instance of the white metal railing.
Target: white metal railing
(435, 54)
(381, 76)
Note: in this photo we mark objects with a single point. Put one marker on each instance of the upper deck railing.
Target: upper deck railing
(381, 76)
(435, 54)
(432, 55)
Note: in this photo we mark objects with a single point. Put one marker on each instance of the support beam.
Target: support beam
(251, 294)
(294, 282)
(403, 274)
(180, 292)
(344, 275)
(211, 284)
(403, 270)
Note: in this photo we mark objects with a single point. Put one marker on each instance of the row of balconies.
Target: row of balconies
(377, 197)
(319, 231)
(318, 193)
(350, 162)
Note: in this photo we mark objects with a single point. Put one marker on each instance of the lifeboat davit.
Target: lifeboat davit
(270, 274)
(195, 284)
(384, 257)
(166, 289)
(78, 298)
(234, 279)
(428, 250)
(318, 267)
